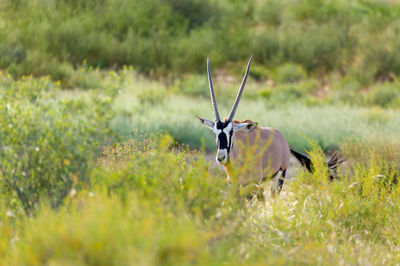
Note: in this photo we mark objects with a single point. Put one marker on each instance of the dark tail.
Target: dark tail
(332, 164)
(303, 159)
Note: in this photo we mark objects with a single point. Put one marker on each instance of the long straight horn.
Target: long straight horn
(239, 95)
(212, 94)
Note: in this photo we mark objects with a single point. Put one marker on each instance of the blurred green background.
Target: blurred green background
(292, 40)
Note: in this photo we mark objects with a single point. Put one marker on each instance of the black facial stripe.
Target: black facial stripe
(223, 141)
(230, 140)
(222, 137)
(222, 125)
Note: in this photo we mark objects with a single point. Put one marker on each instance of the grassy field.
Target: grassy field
(145, 106)
(327, 125)
(140, 210)
(127, 194)
(103, 162)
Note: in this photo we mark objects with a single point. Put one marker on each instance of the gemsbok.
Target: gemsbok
(250, 153)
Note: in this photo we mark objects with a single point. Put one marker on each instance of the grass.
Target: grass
(153, 214)
(151, 201)
(327, 125)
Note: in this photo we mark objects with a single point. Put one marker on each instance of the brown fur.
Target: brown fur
(257, 154)
(239, 122)
(243, 121)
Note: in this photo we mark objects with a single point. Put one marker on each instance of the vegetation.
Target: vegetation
(47, 142)
(146, 106)
(173, 37)
(187, 215)
(74, 193)
(103, 162)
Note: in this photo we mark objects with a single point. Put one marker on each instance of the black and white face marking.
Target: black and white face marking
(223, 135)
(223, 132)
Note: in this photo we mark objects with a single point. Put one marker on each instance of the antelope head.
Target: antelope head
(224, 129)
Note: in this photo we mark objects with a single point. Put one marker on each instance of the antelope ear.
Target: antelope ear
(248, 126)
(208, 123)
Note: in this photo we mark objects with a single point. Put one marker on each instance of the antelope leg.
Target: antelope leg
(277, 186)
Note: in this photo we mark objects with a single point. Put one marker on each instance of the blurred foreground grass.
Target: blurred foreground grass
(140, 210)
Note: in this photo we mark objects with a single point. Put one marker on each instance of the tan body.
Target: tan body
(257, 155)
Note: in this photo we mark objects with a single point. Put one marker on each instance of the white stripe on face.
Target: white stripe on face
(227, 130)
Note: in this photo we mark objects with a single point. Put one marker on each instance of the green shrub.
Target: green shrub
(345, 89)
(266, 47)
(47, 142)
(85, 78)
(152, 97)
(290, 93)
(194, 85)
(380, 60)
(11, 55)
(373, 151)
(187, 186)
(384, 95)
(171, 38)
(270, 12)
(98, 230)
(197, 12)
(191, 52)
(316, 48)
(260, 72)
(290, 73)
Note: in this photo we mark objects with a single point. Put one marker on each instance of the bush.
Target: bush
(380, 60)
(197, 12)
(47, 142)
(152, 97)
(171, 38)
(194, 85)
(290, 93)
(373, 152)
(384, 95)
(260, 72)
(270, 12)
(99, 230)
(317, 48)
(187, 186)
(290, 73)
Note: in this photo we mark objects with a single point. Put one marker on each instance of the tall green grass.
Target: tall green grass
(139, 209)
